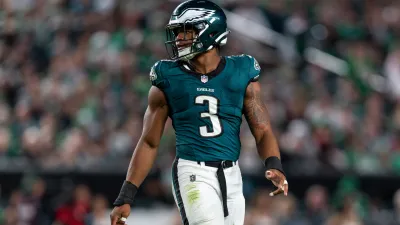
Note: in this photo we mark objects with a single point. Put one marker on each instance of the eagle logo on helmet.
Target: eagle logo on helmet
(192, 15)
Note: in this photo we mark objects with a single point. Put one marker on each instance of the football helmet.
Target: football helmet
(205, 19)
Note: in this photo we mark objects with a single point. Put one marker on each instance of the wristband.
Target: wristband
(274, 162)
(127, 194)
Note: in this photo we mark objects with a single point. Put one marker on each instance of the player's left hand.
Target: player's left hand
(279, 180)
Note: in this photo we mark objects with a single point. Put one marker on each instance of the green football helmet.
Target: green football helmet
(206, 19)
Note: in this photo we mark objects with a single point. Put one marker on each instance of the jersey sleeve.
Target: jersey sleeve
(254, 69)
(156, 77)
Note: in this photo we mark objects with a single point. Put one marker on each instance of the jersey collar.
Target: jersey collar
(188, 69)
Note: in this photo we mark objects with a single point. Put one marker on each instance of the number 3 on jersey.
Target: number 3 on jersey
(211, 114)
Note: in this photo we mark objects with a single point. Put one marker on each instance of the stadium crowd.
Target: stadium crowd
(74, 82)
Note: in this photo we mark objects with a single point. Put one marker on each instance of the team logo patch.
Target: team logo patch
(204, 78)
(192, 178)
(153, 75)
(256, 65)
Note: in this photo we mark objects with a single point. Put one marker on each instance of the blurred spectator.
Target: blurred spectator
(30, 209)
(286, 210)
(262, 209)
(75, 211)
(99, 214)
(346, 215)
(396, 211)
(317, 204)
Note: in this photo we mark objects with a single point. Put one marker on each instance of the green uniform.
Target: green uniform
(206, 110)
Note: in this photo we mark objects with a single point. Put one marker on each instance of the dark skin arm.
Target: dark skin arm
(146, 149)
(153, 126)
(257, 117)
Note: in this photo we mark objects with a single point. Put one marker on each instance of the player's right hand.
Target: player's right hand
(279, 180)
(119, 214)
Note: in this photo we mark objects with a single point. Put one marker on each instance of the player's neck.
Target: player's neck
(206, 62)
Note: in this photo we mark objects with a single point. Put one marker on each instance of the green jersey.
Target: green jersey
(206, 109)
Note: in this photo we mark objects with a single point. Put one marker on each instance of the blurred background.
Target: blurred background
(73, 90)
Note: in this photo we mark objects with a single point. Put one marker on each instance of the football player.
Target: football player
(205, 95)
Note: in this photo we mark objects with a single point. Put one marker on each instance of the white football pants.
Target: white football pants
(198, 194)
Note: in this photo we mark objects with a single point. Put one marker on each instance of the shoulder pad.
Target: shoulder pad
(254, 68)
(249, 64)
(157, 77)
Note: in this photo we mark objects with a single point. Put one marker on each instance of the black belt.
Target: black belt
(221, 165)
(217, 164)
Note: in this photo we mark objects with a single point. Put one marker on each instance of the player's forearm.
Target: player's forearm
(267, 145)
(268, 150)
(141, 163)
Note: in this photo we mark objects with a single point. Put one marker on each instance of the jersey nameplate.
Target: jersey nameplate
(205, 89)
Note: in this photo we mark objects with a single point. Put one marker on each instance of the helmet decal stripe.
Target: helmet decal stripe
(202, 31)
(221, 36)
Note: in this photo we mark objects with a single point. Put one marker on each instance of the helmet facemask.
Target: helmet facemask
(191, 33)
